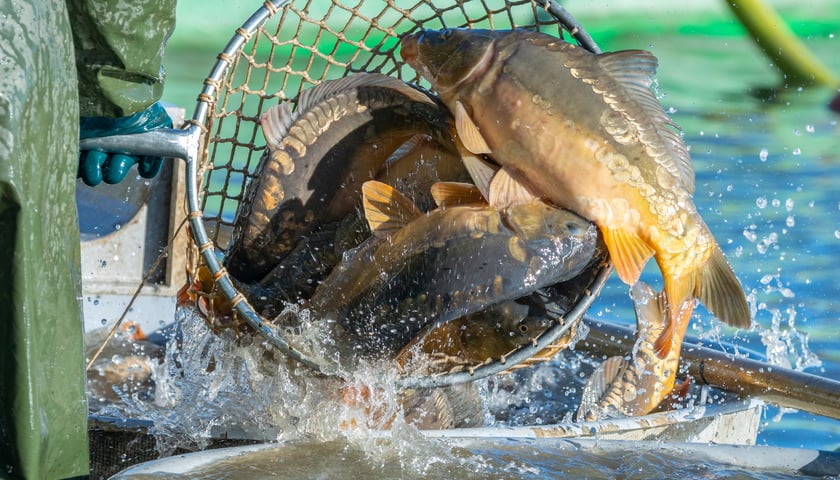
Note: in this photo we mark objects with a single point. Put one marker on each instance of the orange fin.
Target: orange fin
(481, 171)
(450, 194)
(676, 398)
(628, 253)
(132, 331)
(662, 345)
(386, 209)
(506, 191)
(674, 328)
(468, 131)
(720, 291)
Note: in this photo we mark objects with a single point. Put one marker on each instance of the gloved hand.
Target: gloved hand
(96, 166)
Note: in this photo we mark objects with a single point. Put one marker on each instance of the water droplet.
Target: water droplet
(104, 321)
(797, 151)
(117, 226)
(790, 221)
(837, 234)
(789, 204)
(96, 301)
(762, 155)
(809, 128)
(761, 202)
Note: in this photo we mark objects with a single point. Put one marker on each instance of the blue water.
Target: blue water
(766, 171)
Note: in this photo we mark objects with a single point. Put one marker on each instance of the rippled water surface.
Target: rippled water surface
(767, 168)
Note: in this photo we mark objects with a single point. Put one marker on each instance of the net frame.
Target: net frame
(223, 144)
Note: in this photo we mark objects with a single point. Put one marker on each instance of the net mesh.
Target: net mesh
(301, 45)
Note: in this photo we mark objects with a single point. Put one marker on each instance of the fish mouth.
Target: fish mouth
(410, 53)
(409, 47)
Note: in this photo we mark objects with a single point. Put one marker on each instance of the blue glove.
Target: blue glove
(96, 166)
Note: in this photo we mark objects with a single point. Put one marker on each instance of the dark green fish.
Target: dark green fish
(423, 269)
(340, 134)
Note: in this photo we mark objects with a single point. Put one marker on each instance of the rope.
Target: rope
(163, 254)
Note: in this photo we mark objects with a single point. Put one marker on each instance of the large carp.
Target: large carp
(426, 269)
(338, 135)
(585, 132)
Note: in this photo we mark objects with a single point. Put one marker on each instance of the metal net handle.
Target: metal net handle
(238, 301)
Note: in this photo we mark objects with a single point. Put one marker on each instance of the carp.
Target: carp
(340, 134)
(585, 132)
(428, 269)
(636, 386)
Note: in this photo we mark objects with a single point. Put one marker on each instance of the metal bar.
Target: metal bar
(774, 384)
(161, 142)
(574, 28)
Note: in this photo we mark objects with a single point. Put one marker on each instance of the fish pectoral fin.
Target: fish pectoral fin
(386, 209)
(481, 171)
(468, 131)
(601, 381)
(507, 191)
(720, 291)
(450, 194)
(628, 252)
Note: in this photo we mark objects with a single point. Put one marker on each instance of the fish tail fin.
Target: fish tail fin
(720, 291)
(716, 286)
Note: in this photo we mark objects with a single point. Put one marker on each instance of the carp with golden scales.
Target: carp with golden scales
(585, 132)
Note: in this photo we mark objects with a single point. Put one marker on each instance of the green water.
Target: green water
(766, 168)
